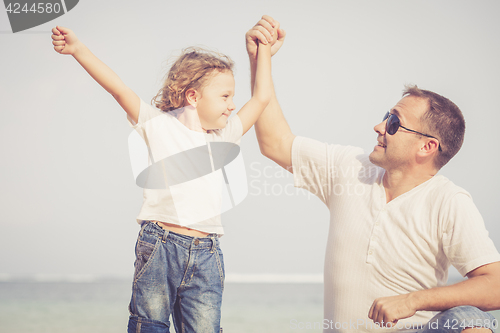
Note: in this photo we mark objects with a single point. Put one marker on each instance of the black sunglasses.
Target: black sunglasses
(393, 124)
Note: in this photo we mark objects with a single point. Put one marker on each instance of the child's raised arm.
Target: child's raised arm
(66, 42)
(263, 89)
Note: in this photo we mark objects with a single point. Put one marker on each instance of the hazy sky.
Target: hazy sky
(69, 200)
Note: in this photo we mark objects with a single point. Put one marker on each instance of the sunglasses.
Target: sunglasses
(393, 124)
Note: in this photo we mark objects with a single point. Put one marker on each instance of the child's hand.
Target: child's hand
(64, 40)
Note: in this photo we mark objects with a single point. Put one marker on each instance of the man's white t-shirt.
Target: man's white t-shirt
(194, 203)
(378, 249)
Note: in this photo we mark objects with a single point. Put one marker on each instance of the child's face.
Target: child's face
(215, 102)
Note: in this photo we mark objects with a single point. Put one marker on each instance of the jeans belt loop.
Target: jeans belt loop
(143, 226)
(212, 250)
(164, 236)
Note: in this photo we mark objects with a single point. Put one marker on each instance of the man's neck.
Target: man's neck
(397, 182)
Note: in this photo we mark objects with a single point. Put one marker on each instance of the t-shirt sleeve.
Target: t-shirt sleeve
(318, 166)
(231, 133)
(146, 112)
(465, 239)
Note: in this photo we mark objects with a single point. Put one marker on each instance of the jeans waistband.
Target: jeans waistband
(210, 241)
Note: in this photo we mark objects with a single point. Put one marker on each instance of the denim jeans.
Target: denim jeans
(176, 275)
(456, 319)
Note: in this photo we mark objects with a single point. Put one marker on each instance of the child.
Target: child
(179, 268)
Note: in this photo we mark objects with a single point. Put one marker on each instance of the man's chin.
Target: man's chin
(374, 159)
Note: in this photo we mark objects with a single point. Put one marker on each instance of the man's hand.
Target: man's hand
(64, 40)
(267, 30)
(386, 311)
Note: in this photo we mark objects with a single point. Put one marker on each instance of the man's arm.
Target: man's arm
(273, 133)
(66, 42)
(481, 289)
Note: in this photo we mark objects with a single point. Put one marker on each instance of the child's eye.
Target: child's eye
(225, 96)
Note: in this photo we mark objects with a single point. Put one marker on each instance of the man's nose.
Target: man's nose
(380, 128)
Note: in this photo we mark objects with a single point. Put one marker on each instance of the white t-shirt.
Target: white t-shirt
(378, 249)
(181, 185)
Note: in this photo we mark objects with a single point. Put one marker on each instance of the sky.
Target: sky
(69, 199)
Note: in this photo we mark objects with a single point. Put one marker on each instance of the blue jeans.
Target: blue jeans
(176, 275)
(456, 319)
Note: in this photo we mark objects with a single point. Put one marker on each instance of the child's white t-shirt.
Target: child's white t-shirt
(176, 196)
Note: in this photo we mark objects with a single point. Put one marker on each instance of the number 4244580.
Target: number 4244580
(36, 8)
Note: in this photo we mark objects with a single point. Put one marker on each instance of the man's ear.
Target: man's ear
(429, 147)
(428, 152)
(192, 97)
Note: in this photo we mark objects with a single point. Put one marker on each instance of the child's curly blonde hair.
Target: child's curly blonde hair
(191, 70)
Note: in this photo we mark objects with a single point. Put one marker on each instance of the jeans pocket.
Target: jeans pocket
(144, 254)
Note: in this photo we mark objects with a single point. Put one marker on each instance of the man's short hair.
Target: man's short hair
(444, 120)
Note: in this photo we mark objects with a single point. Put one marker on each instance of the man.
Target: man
(394, 235)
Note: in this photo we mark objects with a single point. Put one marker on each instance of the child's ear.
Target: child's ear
(192, 97)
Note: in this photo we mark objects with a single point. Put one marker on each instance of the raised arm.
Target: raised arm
(66, 42)
(262, 85)
(273, 133)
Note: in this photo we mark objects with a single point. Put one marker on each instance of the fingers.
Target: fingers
(281, 34)
(267, 25)
(370, 313)
(56, 34)
(263, 32)
(58, 49)
(376, 314)
(269, 19)
(58, 40)
(63, 30)
(57, 37)
(382, 318)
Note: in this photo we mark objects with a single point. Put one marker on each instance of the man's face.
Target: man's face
(399, 150)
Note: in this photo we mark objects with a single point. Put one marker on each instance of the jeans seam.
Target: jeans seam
(219, 265)
(183, 329)
(148, 263)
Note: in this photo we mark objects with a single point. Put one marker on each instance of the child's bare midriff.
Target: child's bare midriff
(181, 230)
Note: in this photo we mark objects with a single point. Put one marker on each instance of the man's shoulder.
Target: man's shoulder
(446, 184)
(440, 188)
(305, 145)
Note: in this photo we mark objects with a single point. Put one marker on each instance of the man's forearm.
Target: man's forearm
(272, 125)
(481, 291)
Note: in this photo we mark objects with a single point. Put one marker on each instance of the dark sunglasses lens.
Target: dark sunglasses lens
(392, 124)
(386, 116)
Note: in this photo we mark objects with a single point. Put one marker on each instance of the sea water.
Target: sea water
(63, 307)
(101, 307)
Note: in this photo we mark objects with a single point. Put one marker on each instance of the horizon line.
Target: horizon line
(89, 278)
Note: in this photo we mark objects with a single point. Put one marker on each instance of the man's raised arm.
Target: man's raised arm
(273, 133)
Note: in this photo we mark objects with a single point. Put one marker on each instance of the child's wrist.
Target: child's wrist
(79, 49)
